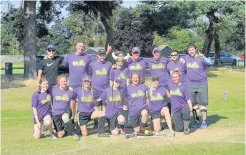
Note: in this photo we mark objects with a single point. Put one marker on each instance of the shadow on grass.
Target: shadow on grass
(214, 119)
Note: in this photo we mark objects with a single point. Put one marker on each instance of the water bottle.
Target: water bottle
(225, 95)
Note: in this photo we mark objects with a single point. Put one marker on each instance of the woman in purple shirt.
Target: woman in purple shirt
(86, 105)
(41, 104)
(138, 108)
(180, 103)
(158, 106)
(114, 99)
(63, 100)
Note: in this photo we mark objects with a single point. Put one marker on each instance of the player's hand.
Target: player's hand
(182, 61)
(114, 66)
(109, 48)
(201, 55)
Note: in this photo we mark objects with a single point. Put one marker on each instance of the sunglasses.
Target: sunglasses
(135, 52)
(156, 52)
(174, 55)
(51, 50)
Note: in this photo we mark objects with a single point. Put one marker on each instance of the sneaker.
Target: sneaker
(186, 131)
(53, 136)
(76, 137)
(204, 125)
(171, 133)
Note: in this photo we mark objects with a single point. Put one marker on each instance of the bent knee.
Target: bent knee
(65, 117)
(144, 112)
(61, 134)
(121, 120)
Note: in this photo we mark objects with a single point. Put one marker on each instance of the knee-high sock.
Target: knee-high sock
(101, 124)
(195, 115)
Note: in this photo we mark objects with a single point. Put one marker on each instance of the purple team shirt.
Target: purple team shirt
(195, 70)
(136, 99)
(114, 100)
(122, 73)
(178, 96)
(78, 67)
(42, 103)
(171, 66)
(100, 76)
(61, 100)
(85, 100)
(157, 101)
(159, 69)
(138, 66)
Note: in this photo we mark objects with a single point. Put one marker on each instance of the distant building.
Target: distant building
(165, 50)
(93, 50)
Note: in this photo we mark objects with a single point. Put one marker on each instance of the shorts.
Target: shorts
(155, 115)
(198, 94)
(40, 119)
(84, 118)
(58, 122)
(113, 123)
(180, 116)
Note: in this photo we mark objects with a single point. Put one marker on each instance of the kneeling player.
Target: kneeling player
(158, 106)
(180, 103)
(41, 104)
(63, 99)
(86, 109)
(138, 109)
(114, 99)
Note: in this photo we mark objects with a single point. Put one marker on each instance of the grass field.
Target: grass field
(15, 71)
(224, 135)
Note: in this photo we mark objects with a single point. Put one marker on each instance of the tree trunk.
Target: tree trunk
(217, 49)
(207, 44)
(29, 41)
(108, 29)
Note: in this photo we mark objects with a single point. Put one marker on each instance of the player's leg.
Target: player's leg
(48, 124)
(144, 117)
(135, 122)
(58, 123)
(68, 122)
(203, 98)
(37, 131)
(178, 121)
(186, 119)
(166, 114)
(83, 119)
(192, 89)
(121, 122)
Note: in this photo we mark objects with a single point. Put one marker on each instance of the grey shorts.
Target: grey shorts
(180, 116)
(198, 94)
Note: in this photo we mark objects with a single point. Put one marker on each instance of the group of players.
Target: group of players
(117, 94)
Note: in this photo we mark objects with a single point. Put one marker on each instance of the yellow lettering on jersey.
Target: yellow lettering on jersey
(122, 76)
(192, 65)
(102, 72)
(137, 67)
(175, 92)
(79, 63)
(158, 66)
(48, 99)
(158, 97)
(138, 94)
(62, 98)
(87, 99)
(116, 98)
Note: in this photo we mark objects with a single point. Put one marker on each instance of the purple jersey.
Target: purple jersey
(122, 73)
(195, 70)
(85, 100)
(156, 100)
(178, 96)
(100, 76)
(42, 103)
(78, 67)
(159, 69)
(114, 100)
(136, 99)
(61, 100)
(138, 66)
(171, 66)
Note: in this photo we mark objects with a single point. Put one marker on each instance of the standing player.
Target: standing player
(86, 109)
(197, 82)
(41, 104)
(158, 106)
(175, 64)
(180, 103)
(49, 66)
(138, 109)
(114, 98)
(62, 99)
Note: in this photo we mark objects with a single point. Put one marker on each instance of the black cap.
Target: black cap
(155, 78)
(101, 51)
(51, 47)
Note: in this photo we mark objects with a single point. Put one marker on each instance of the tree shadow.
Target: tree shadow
(209, 74)
(214, 119)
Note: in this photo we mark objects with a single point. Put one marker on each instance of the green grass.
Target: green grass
(15, 71)
(225, 134)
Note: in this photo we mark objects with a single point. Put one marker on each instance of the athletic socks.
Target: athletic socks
(186, 127)
(101, 123)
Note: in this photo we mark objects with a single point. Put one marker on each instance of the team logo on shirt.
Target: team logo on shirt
(158, 66)
(158, 97)
(102, 72)
(78, 63)
(87, 99)
(62, 98)
(138, 94)
(122, 76)
(116, 98)
(192, 65)
(48, 99)
(176, 92)
(137, 67)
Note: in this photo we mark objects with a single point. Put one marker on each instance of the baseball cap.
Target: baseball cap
(156, 49)
(101, 51)
(136, 49)
(174, 52)
(87, 78)
(51, 47)
(155, 78)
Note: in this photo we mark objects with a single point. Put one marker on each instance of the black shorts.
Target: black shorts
(84, 118)
(135, 121)
(113, 123)
(198, 94)
(155, 115)
(58, 123)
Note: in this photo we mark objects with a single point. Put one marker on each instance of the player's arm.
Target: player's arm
(72, 106)
(40, 70)
(35, 114)
(168, 93)
(109, 49)
(190, 104)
